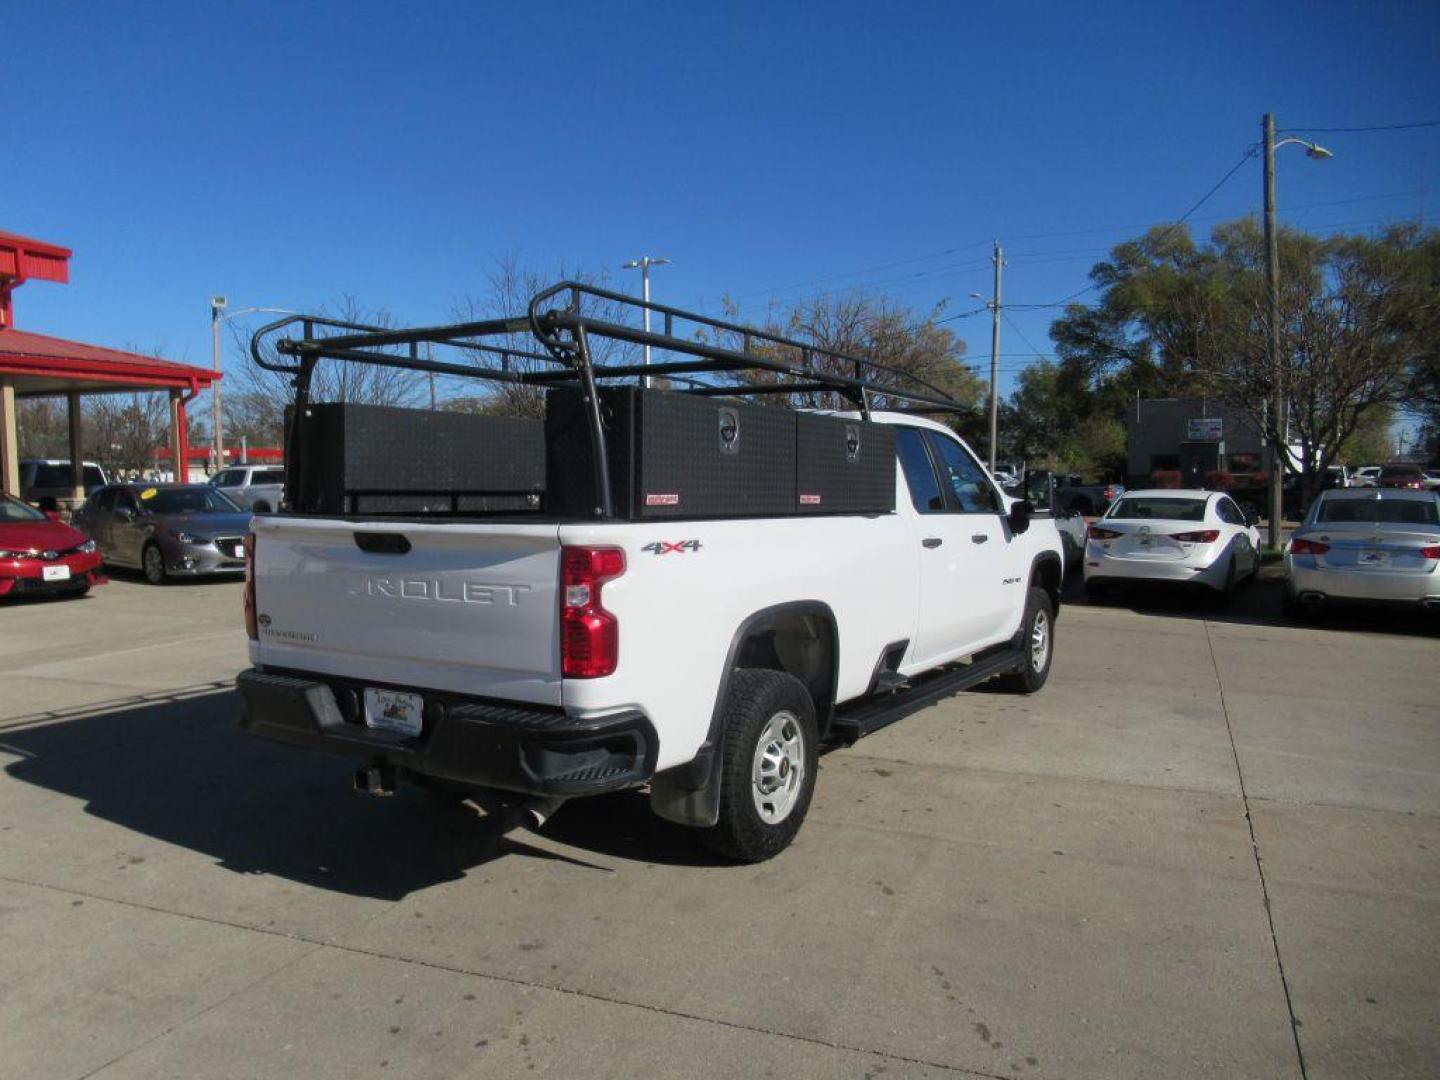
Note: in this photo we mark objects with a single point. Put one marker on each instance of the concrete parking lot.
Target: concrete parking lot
(1208, 848)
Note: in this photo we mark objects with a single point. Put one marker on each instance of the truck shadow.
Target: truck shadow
(178, 769)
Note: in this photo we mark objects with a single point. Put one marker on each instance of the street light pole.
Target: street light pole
(995, 360)
(217, 446)
(643, 264)
(993, 306)
(1279, 413)
(218, 304)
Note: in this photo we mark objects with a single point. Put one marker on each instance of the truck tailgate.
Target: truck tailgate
(466, 608)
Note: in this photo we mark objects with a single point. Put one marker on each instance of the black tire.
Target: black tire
(756, 699)
(1036, 641)
(152, 561)
(1226, 594)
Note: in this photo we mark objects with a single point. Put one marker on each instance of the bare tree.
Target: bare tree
(256, 404)
(509, 289)
(895, 349)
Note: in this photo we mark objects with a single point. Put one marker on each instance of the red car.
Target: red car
(42, 555)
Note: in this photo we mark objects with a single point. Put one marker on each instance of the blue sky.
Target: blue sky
(287, 154)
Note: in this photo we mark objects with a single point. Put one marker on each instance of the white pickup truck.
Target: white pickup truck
(707, 660)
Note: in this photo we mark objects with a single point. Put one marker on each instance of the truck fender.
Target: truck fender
(690, 793)
(1048, 572)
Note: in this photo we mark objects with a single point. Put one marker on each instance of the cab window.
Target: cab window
(969, 485)
(919, 472)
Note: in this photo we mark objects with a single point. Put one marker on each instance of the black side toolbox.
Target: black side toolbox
(382, 459)
(843, 465)
(672, 455)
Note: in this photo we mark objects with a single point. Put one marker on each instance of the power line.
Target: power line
(1358, 130)
(1017, 330)
(1250, 152)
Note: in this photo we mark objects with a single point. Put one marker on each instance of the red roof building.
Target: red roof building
(38, 365)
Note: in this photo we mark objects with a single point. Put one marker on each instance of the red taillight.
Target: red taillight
(1097, 533)
(589, 635)
(1308, 547)
(1200, 536)
(1431, 552)
(251, 627)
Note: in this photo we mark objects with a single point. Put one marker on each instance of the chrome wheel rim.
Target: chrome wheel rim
(778, 772)
(1039, 642)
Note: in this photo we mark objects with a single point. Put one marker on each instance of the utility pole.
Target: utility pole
(217, 444)
(643, 264)
(994, 307)
(1278, 411)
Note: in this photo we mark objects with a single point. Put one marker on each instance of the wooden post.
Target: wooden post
(9, 441)
(77, 466)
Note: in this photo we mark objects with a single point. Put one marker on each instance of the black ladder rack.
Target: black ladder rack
(557, 321)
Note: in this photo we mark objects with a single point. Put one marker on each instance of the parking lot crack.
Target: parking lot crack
(1259, 863)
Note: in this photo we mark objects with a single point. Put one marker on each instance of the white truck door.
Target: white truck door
(966, 602)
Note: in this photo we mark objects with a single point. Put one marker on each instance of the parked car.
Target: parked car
(1040, 492)
(1365, 476)
(49, 478)
(1089, 499)
(41, 555)
(253, 487)
(1432, 479)
(1369, 546)
(1174, 537)
(1338, 476)
(167, 530)
(1410, 477)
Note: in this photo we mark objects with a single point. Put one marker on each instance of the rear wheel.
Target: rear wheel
(1036, 642)
(153, 562)
(1227, 591)
(767, 765)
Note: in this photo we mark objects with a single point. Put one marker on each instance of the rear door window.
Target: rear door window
(1229, 512)
(919, 471)
(269, 476)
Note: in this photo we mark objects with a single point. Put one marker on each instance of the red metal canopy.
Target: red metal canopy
(51, 365)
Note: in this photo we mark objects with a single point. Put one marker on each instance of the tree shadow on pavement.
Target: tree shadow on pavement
(180, 770)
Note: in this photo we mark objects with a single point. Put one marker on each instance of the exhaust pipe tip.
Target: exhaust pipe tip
(375, 780)
(534, 813)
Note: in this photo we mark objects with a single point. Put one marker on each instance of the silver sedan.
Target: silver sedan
(1366, 545)
(167, 530)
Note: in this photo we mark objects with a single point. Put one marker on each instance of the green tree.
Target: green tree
(1182, 318)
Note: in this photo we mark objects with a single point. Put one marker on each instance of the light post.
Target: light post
(217, 449)
(217, 307)
(1279, 414)
(643, 264)
(993, 306)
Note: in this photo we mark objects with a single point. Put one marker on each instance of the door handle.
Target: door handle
(979, 538)
(932, 541)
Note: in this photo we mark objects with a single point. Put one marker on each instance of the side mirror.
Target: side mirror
(124, 513)
(1019, 516)
(53, 515)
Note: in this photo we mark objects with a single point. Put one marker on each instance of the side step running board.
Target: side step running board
(857, 719)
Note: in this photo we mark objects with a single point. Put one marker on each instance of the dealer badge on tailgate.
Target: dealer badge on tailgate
(391, 710)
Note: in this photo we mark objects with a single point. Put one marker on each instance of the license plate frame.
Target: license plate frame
(397, 712)
(55, 573)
